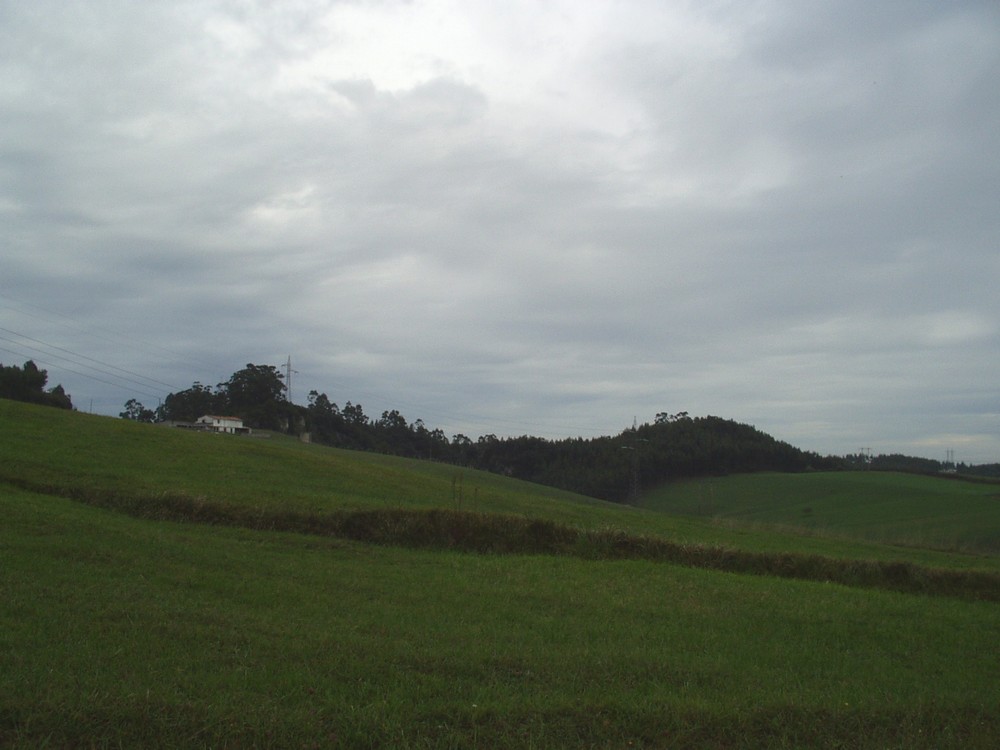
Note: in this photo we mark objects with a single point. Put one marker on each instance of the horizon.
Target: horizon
(950, 457)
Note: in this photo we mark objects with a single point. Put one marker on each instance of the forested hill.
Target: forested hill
(617, 468)
(612, 468)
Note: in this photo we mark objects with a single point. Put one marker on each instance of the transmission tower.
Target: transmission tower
(288, 378)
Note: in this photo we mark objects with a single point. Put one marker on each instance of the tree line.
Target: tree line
(617, 467)
(27, 383)
(256, 394)
(613, 468)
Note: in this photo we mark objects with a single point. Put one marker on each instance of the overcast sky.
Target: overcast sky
(544, 218)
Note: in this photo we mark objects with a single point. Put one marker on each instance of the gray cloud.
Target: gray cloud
(782, 213)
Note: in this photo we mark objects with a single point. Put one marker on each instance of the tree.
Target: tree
(188, 405)
(324, 419)
(663, 417)
(254, 385)
(57, 397)
(27, 383)
(461, 448)
(257, 394)
(354, 414)
(136, 412)
(392, 420)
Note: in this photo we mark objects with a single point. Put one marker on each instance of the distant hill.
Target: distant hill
(620, 468)
(615, 468)
(934, 511)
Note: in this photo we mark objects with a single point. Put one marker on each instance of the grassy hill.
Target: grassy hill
(926, 511)
(117, 630)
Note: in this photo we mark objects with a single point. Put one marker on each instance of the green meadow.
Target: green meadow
(939, 512)
(167, 589)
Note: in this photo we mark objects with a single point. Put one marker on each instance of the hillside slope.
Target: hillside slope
(117, 631)
(940, 512)
(66, 453)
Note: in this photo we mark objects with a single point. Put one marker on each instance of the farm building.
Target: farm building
(230, 425)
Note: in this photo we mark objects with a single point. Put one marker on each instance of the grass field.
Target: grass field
(926, 511)
(60, 451)
(118, 631)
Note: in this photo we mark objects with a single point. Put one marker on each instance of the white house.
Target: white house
(230, 425)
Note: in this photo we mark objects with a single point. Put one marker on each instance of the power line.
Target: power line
(76, 372)
(482, 422)
(129, 381)
(113, 337)
(90, 359)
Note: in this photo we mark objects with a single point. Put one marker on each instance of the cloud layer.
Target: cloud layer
(516, 218)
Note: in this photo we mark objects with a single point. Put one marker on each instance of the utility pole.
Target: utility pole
(634, 481)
